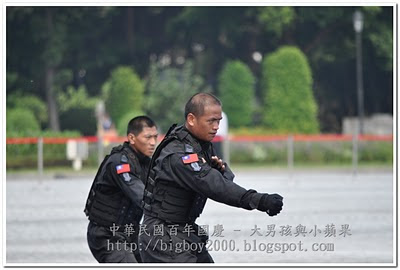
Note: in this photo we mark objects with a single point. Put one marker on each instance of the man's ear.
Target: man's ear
(191, 119)
(131, 138)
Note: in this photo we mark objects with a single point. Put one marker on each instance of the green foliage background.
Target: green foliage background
(21, 122)
(236, 88)
(124, 93)
(77, 110)
(159, 56)
(48, 54)
(122, 125)
(287, 85)
(168, 90)
(31, 102)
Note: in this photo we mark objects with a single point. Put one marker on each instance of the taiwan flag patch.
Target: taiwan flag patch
(190, 158)
(123, 168)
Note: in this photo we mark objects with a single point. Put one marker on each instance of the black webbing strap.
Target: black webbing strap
(163, 143)
(150, 182)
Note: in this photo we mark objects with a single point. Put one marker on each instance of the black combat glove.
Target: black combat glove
(271, 204)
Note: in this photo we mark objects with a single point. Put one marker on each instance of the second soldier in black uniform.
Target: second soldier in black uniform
(184, 172)
(115, 198)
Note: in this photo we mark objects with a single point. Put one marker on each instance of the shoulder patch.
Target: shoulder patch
(123, 168)
(188, 148)
(196, 167)
(127, 177)
(124, 159)
(190, 158)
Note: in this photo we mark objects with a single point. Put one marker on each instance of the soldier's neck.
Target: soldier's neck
(203, 144)
(142, 158)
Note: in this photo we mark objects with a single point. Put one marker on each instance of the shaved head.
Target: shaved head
(198, 102)
(203, 112)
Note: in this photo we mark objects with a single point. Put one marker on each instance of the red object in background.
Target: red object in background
(233, 138)
(218, 139)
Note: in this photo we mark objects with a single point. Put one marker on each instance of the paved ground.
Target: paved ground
(45, 221)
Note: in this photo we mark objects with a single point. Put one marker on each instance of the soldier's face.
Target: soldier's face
(145, 142)
(205, 127)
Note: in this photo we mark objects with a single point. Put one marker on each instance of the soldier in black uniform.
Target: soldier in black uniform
(184, 172)
(114, 204)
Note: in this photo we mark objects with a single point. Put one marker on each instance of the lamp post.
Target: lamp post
(358, 22)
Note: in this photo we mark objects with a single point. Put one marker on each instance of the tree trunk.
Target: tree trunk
(51, 101)
(49, 85)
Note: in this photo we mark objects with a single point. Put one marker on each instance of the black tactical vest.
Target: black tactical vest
(167, 200)
(108, 205)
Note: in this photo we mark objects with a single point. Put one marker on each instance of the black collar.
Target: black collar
(204, 145)
(141, 157)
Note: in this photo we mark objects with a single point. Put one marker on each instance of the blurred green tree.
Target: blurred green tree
(49, 44)
(76, 98)
(122, 124)
(168, 90)
(124, 94)
(275, 19)
(287, 83)
(21, 122)
(76, 104)
(236, 88)
(31, 102)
